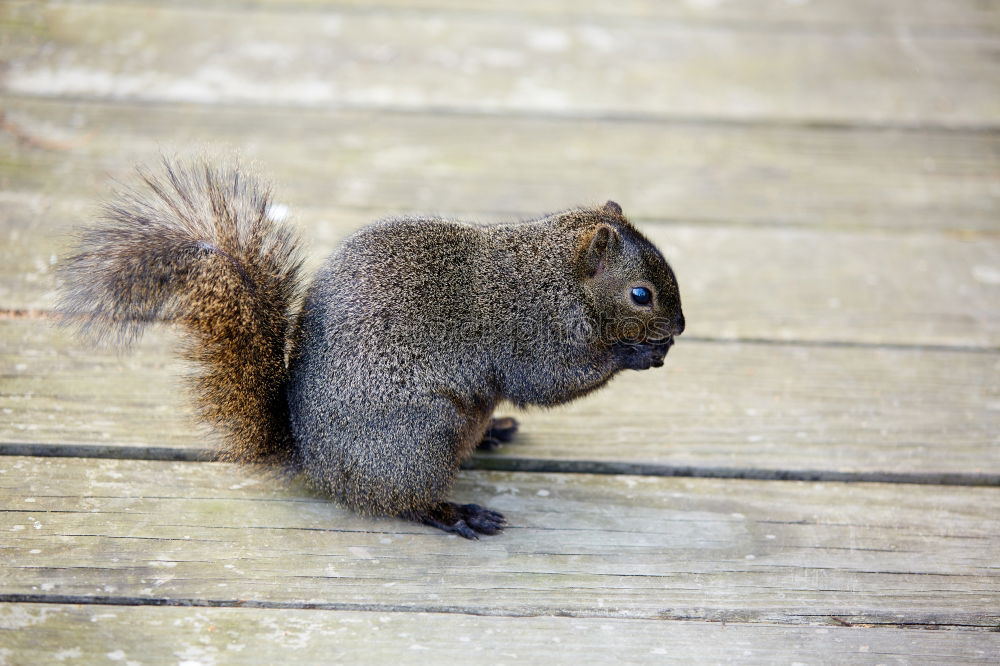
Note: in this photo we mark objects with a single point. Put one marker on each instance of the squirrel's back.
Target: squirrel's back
(422, 298)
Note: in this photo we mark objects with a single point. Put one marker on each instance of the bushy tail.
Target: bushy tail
(194, 244)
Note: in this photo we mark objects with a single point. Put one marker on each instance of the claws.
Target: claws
(462, 529)
(466, 520)
(482, 520)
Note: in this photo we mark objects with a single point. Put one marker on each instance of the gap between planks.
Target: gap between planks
(578, 545)
(161, 634)
(487, 462)
(735, 617)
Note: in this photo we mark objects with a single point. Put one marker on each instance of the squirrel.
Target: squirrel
(382, 376)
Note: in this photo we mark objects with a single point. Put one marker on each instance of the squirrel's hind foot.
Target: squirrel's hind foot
(465, 520)
(499, 432)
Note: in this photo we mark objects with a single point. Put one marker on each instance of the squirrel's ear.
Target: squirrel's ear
(598, 244)
(613, 207)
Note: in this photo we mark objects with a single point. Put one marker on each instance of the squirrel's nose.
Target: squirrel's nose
(679, 324)
(668, 328)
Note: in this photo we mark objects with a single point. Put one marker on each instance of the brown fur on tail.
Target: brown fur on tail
(193, 243)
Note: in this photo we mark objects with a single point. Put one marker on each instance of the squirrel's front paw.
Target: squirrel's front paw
(499, 432)
(465, 520)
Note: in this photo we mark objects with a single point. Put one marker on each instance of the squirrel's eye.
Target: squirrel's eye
(641, 295)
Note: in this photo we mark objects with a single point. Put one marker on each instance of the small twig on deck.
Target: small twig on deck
(23, 136)
(24, 313)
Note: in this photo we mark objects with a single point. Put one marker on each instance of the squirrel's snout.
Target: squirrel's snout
(664, 329)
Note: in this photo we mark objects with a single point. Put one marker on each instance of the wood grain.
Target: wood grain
(428, 162)
(823, 177)
(856, 286)
(154, 635)
(714, 406)
(957, 18)
(496, 64)
(578, 545)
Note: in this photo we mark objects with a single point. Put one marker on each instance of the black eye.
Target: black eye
(641, 295)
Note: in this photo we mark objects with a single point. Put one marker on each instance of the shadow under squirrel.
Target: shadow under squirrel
(387, 375)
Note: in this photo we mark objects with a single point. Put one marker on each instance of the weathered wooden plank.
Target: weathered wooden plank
(35, 634)
(520, 166)
(946, 17)
(730, 277)
(579, 545)
(777, 284)
(469, 62)
(56, 389)
(714, 406)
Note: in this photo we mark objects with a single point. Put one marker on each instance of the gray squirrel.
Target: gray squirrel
(384, 376)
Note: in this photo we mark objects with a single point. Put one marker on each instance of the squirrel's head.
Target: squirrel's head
(631, 288)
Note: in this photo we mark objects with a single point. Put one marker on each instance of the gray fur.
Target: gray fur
(415, 329)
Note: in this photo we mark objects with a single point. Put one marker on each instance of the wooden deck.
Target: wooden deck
(815, 475)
